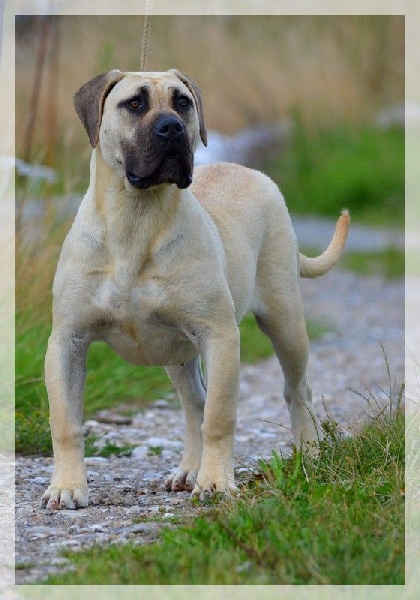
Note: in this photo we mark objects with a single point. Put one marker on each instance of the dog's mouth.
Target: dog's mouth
(173, 168)
(172, 154)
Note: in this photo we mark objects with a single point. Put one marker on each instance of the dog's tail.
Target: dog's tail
(315, 267)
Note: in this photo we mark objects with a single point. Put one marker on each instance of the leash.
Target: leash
(146, 35)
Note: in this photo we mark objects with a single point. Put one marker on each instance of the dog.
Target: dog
(161, 263)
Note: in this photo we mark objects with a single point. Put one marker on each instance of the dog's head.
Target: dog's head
(147, 125)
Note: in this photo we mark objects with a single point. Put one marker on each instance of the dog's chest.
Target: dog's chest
(121, 301)
(138, 323)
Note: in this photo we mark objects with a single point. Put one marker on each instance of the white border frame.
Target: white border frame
(411, 10)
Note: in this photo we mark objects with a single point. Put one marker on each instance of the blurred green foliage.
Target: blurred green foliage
(358, 168)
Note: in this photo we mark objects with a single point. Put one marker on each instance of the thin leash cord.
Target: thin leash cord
(146, 35)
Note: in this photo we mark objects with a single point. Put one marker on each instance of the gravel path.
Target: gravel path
(365, 316)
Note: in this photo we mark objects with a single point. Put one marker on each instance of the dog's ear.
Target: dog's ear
(89, 102)
(195, 91)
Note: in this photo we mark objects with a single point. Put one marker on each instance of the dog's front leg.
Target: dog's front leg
(65, 371)
(222, 359)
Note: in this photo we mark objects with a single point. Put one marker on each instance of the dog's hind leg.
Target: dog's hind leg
(282, 320)
(189, 383)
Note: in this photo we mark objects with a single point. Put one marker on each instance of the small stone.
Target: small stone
(71, 543)
(40, 480)
(72, 514)
(122, 524)
(159, 442)
(241, 470)
(107, 416)
(23, 512)
(168, 454)
(267, 435)
(42, 532)
(134, 510)
(162, 404)
(175, 501)
(60, 561)
(98, 527)
(153, 509)
(140, 453)
(145, 528)
(93, 460)
(129, 500)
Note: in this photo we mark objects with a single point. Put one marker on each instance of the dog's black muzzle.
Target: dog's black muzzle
(171, 158)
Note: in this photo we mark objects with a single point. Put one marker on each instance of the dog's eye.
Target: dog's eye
(183, 102)
(135, 104)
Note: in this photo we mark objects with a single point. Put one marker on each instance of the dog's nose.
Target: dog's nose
(170, 128)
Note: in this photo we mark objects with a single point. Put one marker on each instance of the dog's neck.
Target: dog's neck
(135, 221)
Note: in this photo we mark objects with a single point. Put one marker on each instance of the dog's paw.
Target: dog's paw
(207, 487)
(65, 497)
(181, 480)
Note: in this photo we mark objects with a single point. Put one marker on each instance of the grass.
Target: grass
(389, 262)
(359, 168)
(92, 448)
(337, 519)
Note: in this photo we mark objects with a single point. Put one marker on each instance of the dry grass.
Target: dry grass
(38, 246)
(250, 69)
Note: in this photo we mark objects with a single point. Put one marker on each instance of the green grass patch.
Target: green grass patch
(109, 380)
(337, 519)
(256, 346)
(389, 262)
(173, 519)
(358, 168)
(155, 450)
(32, 433)
(107, 450)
